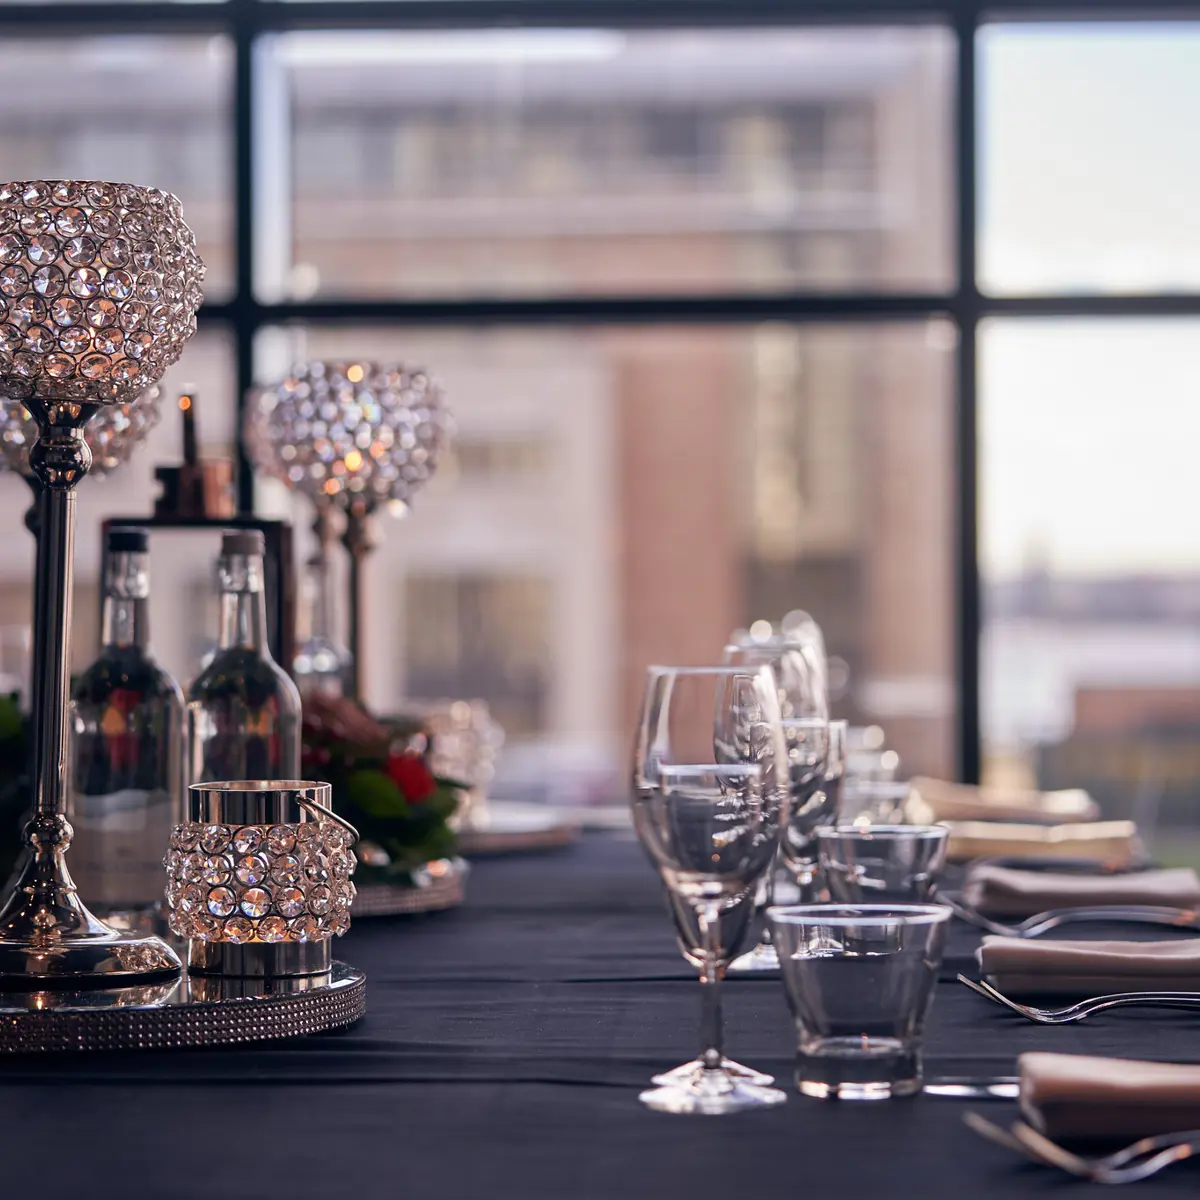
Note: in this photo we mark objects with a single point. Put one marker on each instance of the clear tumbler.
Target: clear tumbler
(859, 980)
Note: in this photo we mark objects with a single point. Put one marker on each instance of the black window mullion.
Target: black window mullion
(968, 615)
(244, 309)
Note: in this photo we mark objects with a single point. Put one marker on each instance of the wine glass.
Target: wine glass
(797, 656)
(710, 797)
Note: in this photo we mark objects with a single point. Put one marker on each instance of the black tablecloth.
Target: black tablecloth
(502, 1054)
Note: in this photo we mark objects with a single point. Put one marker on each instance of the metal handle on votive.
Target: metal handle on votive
(258, 877)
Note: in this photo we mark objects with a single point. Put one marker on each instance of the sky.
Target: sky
(1090, 430)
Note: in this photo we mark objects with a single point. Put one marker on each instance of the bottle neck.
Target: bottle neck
(126, 618)
(320, 582)
(243, 603)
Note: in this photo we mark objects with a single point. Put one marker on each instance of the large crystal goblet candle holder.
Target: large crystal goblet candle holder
(99, 287)
(355, 434)
(258, 877)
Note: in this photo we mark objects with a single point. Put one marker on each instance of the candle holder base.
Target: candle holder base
(48, 938)
(109, 959)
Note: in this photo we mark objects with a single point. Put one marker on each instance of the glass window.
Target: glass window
(156, 113)
(1089, 170)
(692, 479)
(1091, 648)
(575, 161)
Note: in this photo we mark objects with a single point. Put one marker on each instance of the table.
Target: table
(502, 1054)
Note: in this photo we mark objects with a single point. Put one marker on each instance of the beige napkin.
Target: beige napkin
(1037, 967)
(934, 800)
(1113, 843)
(1007, 892)
(1075, 1096)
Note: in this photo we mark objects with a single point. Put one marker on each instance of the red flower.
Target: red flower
(410, 774)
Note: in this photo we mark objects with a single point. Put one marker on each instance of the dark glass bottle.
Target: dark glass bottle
(243, 712)
(127, 754)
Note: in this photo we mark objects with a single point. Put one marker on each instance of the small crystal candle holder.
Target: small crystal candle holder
(258, 877)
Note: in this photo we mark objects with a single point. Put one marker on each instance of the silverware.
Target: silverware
(1085, 1008)
(1122, 1166)
(954, 1087)
(1035, 926)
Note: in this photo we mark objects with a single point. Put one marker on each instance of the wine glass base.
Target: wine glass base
(712, 1095)
(690, 1072)
(762, 958)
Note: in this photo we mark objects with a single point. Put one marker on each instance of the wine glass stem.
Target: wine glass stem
(712, 1048)
(764, 938)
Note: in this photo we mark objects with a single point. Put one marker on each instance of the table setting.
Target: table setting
(867, 908)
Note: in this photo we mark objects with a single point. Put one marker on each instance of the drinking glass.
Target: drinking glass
(797, 656)
(859, 981)
(710, 796)
(881, 864)
(874, 802)
(816, 797)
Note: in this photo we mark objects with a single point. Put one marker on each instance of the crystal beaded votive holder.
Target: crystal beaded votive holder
(258, 878)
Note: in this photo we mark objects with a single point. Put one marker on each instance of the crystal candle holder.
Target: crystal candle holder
(99, 287)
(354, 435)
(258, 878)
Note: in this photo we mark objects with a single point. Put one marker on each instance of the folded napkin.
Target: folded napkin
(1036, 967)
(934, 800)
(1111, 843)
(1075, 1096)
(1007, 892)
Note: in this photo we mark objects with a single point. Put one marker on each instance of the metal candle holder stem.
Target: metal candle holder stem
(99, 286)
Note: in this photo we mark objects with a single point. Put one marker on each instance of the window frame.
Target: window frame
(245, 22)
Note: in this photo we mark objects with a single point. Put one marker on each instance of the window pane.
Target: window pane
(1091, 649)
(206, 369)
(681, 483)
(596, 160)
(156, 114)
(1089, 164)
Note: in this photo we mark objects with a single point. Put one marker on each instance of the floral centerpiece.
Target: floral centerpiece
(382, 784)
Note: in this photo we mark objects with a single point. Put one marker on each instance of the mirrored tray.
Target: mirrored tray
(190, 1011)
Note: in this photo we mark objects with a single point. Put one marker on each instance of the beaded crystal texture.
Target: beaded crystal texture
(99, 287)
(112, 434)
(260, 883)
(350, 432)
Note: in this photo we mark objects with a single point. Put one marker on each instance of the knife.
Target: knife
(954, 1087)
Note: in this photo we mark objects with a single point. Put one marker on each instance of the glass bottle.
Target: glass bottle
(127, 749)
(243, 711)
(320, 663)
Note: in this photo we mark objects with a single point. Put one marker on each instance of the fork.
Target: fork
(1035, 926)
(1085, 1008)
(1120, 1167)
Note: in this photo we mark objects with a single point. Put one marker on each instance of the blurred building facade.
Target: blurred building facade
(618, 496)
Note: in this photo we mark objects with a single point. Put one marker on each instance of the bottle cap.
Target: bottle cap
(243, 541)
(127, 541)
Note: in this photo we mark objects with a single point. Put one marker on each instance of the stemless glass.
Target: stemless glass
(710, 796)
(859, 980)
(797, 656)
(881, 864)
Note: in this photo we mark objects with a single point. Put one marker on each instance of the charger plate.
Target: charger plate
(187, 1011)
(509, 827)
(440, 885)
